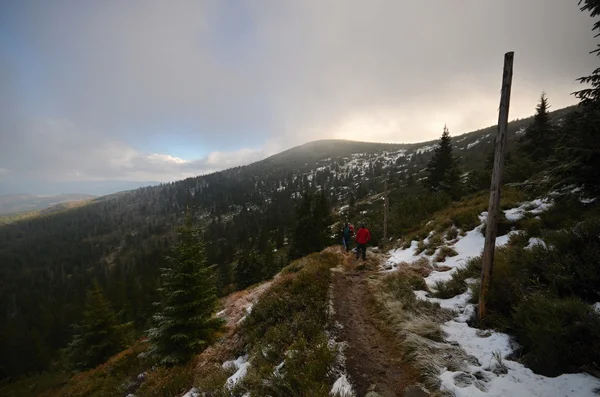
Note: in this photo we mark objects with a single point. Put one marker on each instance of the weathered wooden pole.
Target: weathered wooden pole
(385, 211)
(494, 204)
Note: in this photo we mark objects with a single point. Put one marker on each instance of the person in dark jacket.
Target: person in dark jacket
(347, 232)
(363, 236)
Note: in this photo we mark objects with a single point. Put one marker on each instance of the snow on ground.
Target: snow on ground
(535, 207)
(470, 145)
(424, 149)
(342, 387)
(241, 365)
(192, 393)
(466, 247)
(494, 375)
(535, 241)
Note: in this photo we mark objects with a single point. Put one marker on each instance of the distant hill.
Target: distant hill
(14, 203)
(121, 240)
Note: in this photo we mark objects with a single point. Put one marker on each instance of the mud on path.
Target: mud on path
(373, 360)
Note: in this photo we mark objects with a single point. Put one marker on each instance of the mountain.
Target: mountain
(12, 203)
(120, 241)
(53, 188)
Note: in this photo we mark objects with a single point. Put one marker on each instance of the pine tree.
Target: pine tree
(591, 96)
(98, 336)
(577, 158)
(443, 173)
(249, 269)
(184, 322)
(311, 232)
(538, 142)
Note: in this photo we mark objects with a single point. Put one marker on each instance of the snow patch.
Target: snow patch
(241, 365)
(470, 145)
(493, 375)
(342, 387)
(424, 149)
(193, 392)
(535, 207)
(535, 241)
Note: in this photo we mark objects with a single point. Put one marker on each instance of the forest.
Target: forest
(254, 219)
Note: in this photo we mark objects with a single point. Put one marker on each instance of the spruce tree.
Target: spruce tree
(311, 232)
(538, 142)
(577, 158)
(184, 322)
(98, 336)
(591, 96)
(443, 173)
(249, 269)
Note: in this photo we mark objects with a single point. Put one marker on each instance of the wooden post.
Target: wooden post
(494, 204)
(385, 212)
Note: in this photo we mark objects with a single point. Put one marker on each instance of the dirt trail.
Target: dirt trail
(373, 360)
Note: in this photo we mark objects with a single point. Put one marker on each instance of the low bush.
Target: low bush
(115, 377)
(566, 212)
(167, 382)
(457, 284)
(503, 226)
(445, 252)
(434, 241)
(558, 335)
(451, 233)
(531, 225)
(466, 218)
(288, 325)
(542, 295)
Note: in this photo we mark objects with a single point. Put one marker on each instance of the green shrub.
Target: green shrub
(457, 284)
(451, 233)
(557, 335)
(573, 262)
(531, 225)
(503, 227)
(305, 373)
(434, 241)
(445, 252)
(167, 382)
(466, 218)
(416, 282)
(288, 324)
(566, 212)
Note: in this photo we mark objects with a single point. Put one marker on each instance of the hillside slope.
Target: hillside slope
(120, 241)
(13, 203)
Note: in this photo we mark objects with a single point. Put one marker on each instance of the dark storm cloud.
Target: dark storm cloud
(85, 86)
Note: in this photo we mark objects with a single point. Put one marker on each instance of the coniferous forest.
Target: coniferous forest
(76, 286)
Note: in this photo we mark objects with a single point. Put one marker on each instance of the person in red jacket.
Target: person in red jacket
(363, 236)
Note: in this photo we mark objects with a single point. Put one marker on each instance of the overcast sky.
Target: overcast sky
(96, 93)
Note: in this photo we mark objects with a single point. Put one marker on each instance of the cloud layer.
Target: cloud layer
(154, 90)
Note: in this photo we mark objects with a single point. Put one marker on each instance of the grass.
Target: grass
(287, 325)
(415, 323)
(462, 214)
(457, 284)
(444, 253)
(115, 377)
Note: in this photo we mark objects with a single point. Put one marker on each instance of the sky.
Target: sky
(97, 96)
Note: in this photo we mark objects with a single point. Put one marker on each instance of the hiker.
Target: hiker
(363, 236)
(347, 232)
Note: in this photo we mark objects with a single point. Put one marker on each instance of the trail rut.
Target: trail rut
(373, 359)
